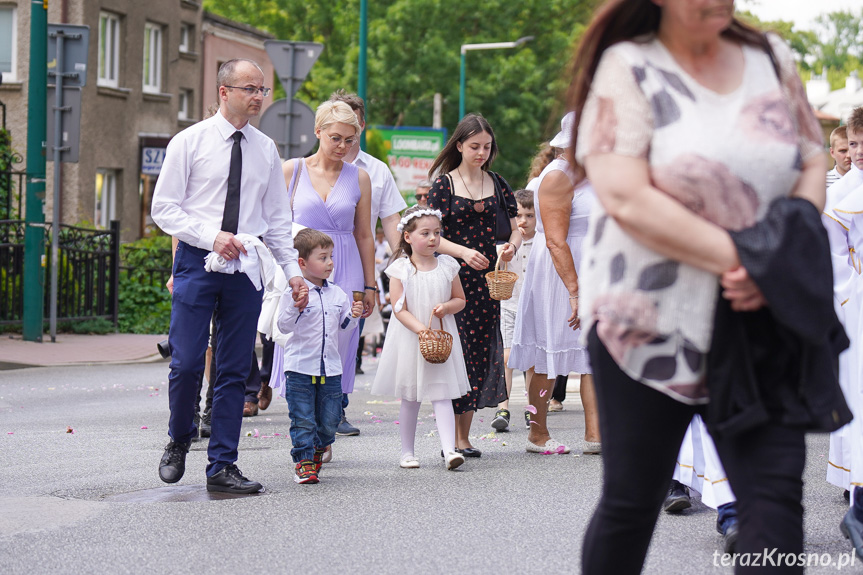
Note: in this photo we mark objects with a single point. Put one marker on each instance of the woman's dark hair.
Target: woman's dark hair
(620, 20)
(404, 248)
(450, 158)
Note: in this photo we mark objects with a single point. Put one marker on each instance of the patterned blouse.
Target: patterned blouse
(726, 157)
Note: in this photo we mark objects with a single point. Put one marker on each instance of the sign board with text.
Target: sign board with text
(410, 153)
(151, 161)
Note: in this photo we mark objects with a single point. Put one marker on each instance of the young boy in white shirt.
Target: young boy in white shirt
(313, 368)
(526, 221)
(841, 154)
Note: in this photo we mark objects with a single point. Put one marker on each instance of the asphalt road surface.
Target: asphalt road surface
(80, 492)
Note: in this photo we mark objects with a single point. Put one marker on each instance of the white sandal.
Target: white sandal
(453, 460)
(409, 462)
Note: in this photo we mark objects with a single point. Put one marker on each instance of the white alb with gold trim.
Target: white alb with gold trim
(844, 226)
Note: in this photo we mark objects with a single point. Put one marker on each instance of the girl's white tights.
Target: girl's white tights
(444, 417)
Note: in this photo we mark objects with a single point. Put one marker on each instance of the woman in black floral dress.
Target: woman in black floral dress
(464, 192)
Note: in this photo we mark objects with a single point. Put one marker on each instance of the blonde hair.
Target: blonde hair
(330, 113)
(840, 133)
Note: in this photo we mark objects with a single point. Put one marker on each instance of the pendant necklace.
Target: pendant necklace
(333, 185)
(478, 206)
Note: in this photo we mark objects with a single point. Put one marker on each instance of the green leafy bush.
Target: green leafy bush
(145, 304)
(97, 326)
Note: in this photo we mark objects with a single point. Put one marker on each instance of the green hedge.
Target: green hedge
(145, 304)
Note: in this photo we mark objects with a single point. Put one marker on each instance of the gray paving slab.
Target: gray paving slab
(78, 349)
(90, 501)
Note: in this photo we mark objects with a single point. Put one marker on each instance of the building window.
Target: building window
(187, 33)
(109, 49)
(8, 43)
(184, 112)
(152, 58)
(106, 198)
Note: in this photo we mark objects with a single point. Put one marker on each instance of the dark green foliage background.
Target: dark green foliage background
(145, 304)
(413, 52)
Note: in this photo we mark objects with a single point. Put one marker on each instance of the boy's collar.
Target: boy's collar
(312, 284)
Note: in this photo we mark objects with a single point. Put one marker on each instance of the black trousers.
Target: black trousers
(641, 432)
(559, 391)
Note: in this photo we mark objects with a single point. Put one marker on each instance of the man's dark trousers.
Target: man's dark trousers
(237, 305)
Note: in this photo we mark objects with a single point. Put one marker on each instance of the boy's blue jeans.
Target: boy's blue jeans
(316, 409)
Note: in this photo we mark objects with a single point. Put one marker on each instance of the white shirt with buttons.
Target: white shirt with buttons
(189, 200)
(313, 341)
(518, 264)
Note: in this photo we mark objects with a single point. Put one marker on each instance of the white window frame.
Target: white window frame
(152, 69)
(105, 208)
(184, 108)
(186, 33)
(109, 50)
(12, 74)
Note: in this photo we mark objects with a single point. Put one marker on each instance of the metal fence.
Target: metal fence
(11, 271)
(88, 272)
(89, 262)
(11, 184)
(11, 180)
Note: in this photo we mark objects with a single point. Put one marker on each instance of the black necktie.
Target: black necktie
(231, 215)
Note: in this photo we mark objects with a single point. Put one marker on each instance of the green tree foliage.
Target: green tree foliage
(839, 38)
(833, 48)
(413, 52)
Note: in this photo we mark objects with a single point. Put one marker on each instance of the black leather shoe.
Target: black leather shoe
(729, 538)
(469, 452)
(197, 421)
(852, 529)
(230, 480)
(173, 463)
(677, 499)
(206, 420)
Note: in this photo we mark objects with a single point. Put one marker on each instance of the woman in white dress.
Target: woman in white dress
(544, 340)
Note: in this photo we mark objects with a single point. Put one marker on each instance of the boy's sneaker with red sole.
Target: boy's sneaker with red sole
(306, 472)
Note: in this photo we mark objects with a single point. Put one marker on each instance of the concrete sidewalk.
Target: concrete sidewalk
(74, 349)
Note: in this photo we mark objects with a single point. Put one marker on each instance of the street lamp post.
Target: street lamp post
(463, 68)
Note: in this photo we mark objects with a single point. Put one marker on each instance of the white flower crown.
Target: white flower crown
(417, 214)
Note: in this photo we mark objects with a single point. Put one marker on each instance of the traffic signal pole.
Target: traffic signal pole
(362, 69)
(34, 232)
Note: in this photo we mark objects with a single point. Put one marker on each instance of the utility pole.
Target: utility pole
(361, 65)
(34, 231)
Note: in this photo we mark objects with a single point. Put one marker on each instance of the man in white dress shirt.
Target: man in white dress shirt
(387, 202)
(221, 177)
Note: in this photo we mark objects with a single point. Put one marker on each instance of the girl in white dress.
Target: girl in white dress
(422, 284)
